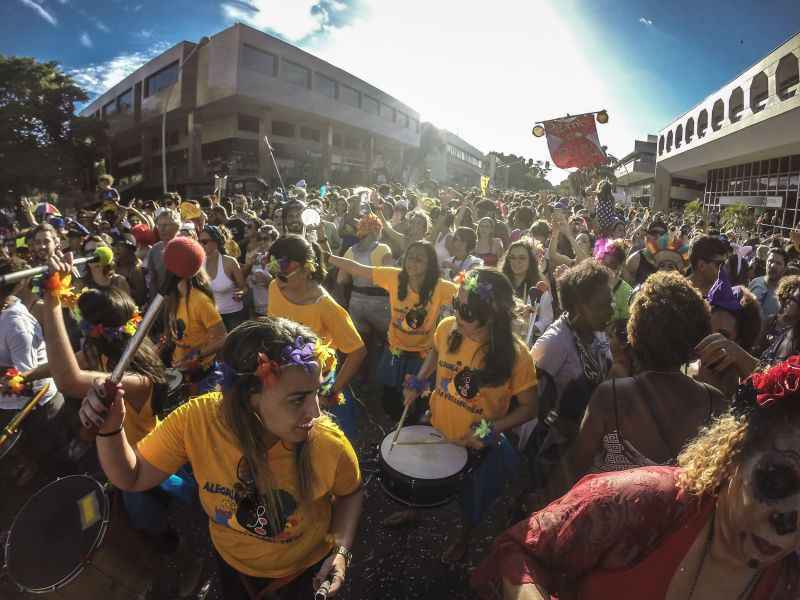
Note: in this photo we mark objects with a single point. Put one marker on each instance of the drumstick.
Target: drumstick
(399, 426)
(17, 420)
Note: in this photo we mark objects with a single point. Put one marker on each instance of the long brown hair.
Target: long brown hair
(199, 283)
(268, 335)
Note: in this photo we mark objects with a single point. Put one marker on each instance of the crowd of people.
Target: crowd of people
(631, 375)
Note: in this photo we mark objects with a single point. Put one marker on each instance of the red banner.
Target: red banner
(573, 142)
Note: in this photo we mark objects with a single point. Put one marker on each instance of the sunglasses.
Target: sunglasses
(464, 311)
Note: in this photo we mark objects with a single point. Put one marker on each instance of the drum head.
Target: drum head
(434, 461)
(174, 379)
(56, 532)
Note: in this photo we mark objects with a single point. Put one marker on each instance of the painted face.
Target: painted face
(289, 407)
(724, 322)
(760, 506)
(519, 261)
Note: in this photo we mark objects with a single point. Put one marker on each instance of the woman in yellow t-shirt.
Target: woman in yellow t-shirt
(279, 482)
(195, 329)
(296, 293)
(484, 386)
(417, 295)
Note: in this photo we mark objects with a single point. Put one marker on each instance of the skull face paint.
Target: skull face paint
(760, 509)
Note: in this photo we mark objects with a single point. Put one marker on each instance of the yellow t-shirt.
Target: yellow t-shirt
(139, 424)
(411, 326)
(456, 401)
(324, 317)
(193, 324)
(195, 433)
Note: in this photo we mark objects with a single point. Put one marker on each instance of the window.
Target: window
(247, 123)
(370, 105)
(162, 79)
(759, 89)
(415, 123)
(295, 74)
(125, 102)
(259, 61)
(388, 113)
(402, 119)
(283, 129)
(307, 133)
(109, 108)
(326, 86)
(349, 96)
(173, 137)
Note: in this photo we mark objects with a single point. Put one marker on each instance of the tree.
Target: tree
(430, 140)
(737, 218)
(520, 173)
(42, 143)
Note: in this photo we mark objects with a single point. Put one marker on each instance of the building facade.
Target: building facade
(457, 163)
(741, 144)
(636, 171)
(221, 97)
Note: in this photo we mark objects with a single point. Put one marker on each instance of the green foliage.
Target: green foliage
(692, 211)
(737, 217)
(520, 173)
(43, 144)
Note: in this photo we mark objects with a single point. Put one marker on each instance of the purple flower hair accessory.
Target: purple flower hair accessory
(300, 354)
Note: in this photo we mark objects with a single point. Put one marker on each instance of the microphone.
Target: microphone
(102, 254)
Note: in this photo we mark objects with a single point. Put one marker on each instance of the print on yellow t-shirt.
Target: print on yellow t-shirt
(240, 531)
(411, 326)
(193, 320)
(458, 400)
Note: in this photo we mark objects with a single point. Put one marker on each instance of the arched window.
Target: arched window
(661, 145)
(735, 105)
(717, 115)
(678, 136)
(669, 142)
(702, 123)
(787, 77)
(689, 129)
(759, 90)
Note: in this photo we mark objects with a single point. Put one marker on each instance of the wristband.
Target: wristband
(412, 382)
(111, 433)
(344, 552)
(486, 433)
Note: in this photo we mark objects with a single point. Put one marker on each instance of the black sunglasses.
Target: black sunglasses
(464, 311)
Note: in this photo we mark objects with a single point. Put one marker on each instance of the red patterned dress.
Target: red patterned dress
(614, 536)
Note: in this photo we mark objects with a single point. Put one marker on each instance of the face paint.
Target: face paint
(762, 502)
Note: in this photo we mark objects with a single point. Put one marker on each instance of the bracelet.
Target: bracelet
(485, 432)
(348, 556)
(412, 382)
(111, 433)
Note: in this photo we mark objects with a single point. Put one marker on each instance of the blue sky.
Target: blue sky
(485, 70)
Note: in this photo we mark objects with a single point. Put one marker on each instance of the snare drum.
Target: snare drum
(425, 474)
(70, 538)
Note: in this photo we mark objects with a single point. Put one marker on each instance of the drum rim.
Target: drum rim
(67, 579)
(383, 460)
(397, 498)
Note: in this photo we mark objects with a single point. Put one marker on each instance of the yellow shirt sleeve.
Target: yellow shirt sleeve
(207, 311)
(446, 291)
(377, 256)
(165, 446)
(339, 327)
(523, 377)
(386, 277)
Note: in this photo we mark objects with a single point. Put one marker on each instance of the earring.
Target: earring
(258, 416)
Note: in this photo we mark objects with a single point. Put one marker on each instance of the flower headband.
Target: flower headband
(300, 353)
(772, 385)
(471, 284)
(97, 330)
(285, 266)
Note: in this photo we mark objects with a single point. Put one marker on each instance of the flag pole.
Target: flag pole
(569, 116)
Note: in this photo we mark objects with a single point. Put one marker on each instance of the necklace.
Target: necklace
(750, 584)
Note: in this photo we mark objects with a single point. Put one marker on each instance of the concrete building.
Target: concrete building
(225, 93)
(459, 162)
(741, 144)
(636, 171)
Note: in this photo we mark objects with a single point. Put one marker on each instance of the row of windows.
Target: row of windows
(465, 156)
(290, 130)
(787, 77)
(123, 103)
(266, 63)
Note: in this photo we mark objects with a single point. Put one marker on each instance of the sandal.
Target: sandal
(401, 518)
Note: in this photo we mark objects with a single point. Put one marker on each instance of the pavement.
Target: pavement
(388, 564)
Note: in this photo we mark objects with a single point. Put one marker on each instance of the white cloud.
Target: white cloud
(96, 78)
(296, 20)
(86, 40)
(101, 26)
(41, 11)
(645, 21)
(145, 34)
